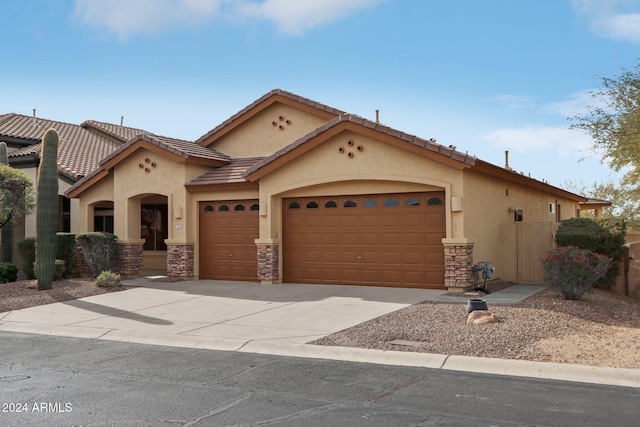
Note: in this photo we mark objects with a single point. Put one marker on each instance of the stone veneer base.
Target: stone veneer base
(458, 266)
(268, 263)
(180, 261)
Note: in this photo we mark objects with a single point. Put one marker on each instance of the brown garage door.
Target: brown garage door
(227, 233)
(380, 240)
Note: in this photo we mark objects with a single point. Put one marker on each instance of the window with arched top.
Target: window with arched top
(294, 205)
(390, 203)
(208, 208)
(370, 203)
(239, 207)
(255, 207)
(350, 204)
(224, 208)
(331, 204)
(312, 205)
(412, 202)
(434, 201)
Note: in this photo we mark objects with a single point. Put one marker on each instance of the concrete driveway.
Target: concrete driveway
(274, 319)
(214, 314)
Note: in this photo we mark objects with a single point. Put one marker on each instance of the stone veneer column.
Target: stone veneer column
(268, 262)
(180, 260)
(130, 258)
(458, 266)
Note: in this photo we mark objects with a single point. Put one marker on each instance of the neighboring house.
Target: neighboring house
(291, 190)
(79, 151)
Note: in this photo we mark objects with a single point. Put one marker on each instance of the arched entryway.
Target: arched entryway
(154, 230)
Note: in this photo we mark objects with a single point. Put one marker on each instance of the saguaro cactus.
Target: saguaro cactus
(6, 234)
(47, 210)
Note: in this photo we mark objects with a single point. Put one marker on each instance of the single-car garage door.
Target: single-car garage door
(227, 233)
(380, 239)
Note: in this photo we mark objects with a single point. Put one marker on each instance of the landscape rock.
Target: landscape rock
(477, 317)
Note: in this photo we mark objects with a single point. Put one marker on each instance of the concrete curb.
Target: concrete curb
(546, 370)
(517, 368)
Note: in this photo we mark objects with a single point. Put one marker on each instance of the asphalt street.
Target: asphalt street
(62, 381)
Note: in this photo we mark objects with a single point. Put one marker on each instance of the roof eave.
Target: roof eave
(511, 176)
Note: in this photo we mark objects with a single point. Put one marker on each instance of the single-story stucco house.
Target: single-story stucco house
(292, 190)
(79, 151)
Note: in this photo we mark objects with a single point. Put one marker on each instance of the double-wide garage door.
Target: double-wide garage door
(381, 240)
(228, 230)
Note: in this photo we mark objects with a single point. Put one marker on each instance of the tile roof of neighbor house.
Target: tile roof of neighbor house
(122, 133)
(79, 149)
(429, 145)
(254, 104)
(227, 174)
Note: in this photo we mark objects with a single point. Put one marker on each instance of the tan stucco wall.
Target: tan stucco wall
(489, 203)
(127, 184)
(379, 168)
(257, 137)
(99, 192)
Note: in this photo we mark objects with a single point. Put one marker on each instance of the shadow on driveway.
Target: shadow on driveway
(112, 312)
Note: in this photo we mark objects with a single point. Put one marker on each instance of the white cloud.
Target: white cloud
(297, 16)
(561, 141)
(128, 17)
(575, 104)
(615, 19)
(125, 17)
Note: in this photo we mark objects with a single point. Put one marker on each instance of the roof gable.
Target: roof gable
(426, 148)
(176, 149)
(276, 95)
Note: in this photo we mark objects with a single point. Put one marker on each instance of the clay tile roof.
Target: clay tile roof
(179, 147)
(426, 144)
(265, 97)
(79, 150)
(596, 202)
(227, 174)
(184, 148)
(122, 133)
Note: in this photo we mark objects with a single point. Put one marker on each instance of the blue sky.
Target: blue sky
(486, 76)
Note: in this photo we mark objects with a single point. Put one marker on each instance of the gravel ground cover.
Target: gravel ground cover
(601, 330)
(25, 293)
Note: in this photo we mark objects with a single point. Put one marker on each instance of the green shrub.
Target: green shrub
(8, 272)
(573, 271)
(27, 249)
(600, 236)
(59, 271)
(107, 279)
(100, 251)
(67, 252)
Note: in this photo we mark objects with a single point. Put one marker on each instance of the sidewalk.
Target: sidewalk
(275, 319)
